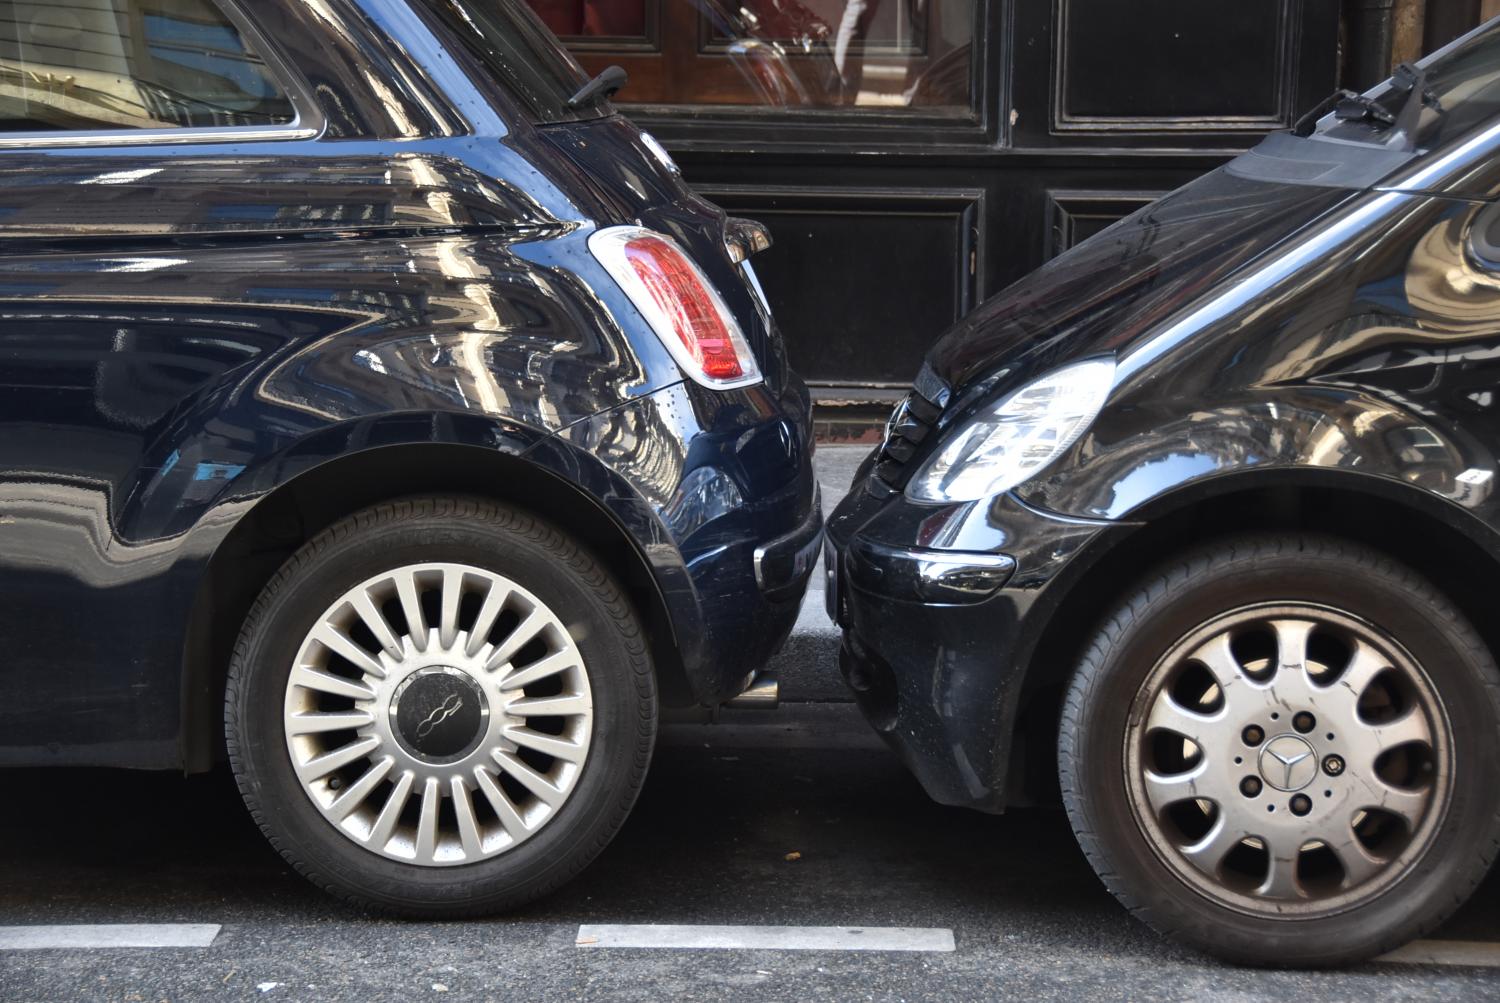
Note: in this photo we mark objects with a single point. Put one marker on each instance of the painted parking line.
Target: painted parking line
(108, 935)
(767, 938)
(1476, 953)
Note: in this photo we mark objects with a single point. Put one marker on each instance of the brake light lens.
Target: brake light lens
(679, 303)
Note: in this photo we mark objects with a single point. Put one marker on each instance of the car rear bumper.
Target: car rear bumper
(718, 490)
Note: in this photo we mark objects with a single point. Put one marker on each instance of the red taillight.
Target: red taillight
(680, 304)
(682, 296)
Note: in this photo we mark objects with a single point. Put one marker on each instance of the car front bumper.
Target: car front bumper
(942, 608)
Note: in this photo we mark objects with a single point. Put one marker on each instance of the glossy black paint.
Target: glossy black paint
(1289, 356)
(892, 223)
(209, 348)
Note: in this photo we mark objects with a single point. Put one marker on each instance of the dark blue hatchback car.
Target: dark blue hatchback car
(377, 409)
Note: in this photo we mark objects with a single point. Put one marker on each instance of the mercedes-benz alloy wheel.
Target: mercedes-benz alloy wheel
(441, 706)
(1288, 759)
(1276, 748)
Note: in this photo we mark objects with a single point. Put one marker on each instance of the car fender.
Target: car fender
(1138, 462)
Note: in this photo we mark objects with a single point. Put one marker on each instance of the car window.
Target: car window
(523, 54)
(75, 65)
(1462, 85)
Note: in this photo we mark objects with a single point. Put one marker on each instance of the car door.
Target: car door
(136, 137)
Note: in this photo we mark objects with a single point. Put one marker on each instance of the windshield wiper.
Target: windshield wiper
(1354, 107)
(1347, 106)
(609, 80)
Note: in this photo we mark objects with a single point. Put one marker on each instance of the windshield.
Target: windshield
(523, 54)
(1452, 91)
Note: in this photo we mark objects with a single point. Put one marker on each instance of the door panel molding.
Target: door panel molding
(1284, 31)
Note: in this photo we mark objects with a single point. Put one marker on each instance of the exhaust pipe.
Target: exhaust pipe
(763, 693)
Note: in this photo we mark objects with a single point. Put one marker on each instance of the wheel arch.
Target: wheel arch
(295, 511)
(1444, 542)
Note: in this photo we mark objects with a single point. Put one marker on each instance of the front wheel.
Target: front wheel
(1277, 749)
(440, 707)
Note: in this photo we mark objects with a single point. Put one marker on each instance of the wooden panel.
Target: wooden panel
(862, 281)
(1185, 65)
(1074, 216)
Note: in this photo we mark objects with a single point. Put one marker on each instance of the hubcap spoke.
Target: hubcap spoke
(489, 749)
(453, 594)
(1218, 657)
(1409, 727)
(1209, 852)
(504, 809)
(1168, 715)
(1358, 863)
(321, 766)
(539, 670)
(323, 682)
(484, 620)
(533, 781)
(1281, 873)
(468, 826)
(559, 748)
(1364, 665)
(524, 633)
(1291, 644)
(332, 639)
(385, 824)
(354, 795)
(427, 821)
(411, 608)
(1166, 790)
(1405, 804)
(317, 723)
(375, 621)
(566, 705)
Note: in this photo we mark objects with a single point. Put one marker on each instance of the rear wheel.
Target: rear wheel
(440, 706)
(1276, 749)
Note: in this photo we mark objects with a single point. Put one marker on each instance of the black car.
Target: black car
(1205, 512)
(379, 410)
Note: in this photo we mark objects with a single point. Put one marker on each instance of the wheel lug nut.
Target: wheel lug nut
(1301, 805)
(1253, 735)
(1250, 787)
(1333, 765)
(1304, 722)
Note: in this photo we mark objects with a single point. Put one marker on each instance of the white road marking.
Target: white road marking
(75, 937)
(767, 938)
(1478, 953)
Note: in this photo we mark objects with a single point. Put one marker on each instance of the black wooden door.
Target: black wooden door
(913, 157)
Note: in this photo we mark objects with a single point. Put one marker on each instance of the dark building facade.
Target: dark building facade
(912, 157)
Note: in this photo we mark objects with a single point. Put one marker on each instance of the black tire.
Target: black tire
(507, 541)
(1192, 590)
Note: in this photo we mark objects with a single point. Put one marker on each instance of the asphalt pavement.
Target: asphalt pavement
(767, 823)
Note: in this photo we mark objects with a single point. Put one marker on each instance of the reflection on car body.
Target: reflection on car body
(324, 411)
(1239, 450)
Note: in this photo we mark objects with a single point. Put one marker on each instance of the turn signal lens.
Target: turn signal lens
(679, 303)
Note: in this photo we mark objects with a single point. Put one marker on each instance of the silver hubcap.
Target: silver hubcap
(438, 714)
(1288, 759)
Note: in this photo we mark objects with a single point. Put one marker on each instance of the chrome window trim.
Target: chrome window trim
(158, 137)
(307, 120)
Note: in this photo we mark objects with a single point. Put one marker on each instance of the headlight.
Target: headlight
(1017, 437)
